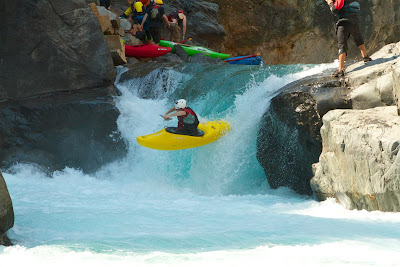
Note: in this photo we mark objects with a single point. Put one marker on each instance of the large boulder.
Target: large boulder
(6, 212)
(374, 84)
(289, 141)
(56, 87)
(76, 129)
(51, 46)
(360, 160)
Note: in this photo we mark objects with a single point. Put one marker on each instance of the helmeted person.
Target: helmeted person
(177, 20)
(135, 13)
(134, 7)
(348, 12)
(187, 118)
(155, 14)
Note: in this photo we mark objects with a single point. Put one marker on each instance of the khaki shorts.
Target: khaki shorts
(175, 32)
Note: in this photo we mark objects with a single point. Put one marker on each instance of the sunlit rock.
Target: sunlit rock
(360, 159)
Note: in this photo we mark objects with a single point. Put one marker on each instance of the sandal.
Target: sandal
(367, 58)
(338, 73)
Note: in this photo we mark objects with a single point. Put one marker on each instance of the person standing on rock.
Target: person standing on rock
(177, 20)
(156, 14)
(348, 12)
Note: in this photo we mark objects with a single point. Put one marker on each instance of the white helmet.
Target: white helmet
(181, 103)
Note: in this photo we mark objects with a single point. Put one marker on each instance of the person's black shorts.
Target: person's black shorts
(343, 32)
(156, 34)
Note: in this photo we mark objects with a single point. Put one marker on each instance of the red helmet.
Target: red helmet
(180, 11)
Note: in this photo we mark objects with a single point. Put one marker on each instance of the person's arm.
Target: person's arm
(167, 115)
(178, 113)
(143, 21)
(166, 20)
(183, 25)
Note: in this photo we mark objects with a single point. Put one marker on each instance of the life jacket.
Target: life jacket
(351, 9)
(189, 119)
(175, 15)
(154, 14)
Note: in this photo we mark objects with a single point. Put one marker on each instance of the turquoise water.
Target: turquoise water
(205, 206)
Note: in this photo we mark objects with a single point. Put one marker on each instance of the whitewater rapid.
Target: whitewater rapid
(210, 205)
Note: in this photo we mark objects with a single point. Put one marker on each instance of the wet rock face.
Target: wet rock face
(77, 130)
(289, 141)
(51, 46)
(56, 87)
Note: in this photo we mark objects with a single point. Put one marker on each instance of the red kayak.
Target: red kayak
(146, 50)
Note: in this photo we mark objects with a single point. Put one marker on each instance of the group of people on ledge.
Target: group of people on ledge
(148, 17)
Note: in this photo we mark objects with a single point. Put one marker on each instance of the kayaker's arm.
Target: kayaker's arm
(178, 113)
(169, 111)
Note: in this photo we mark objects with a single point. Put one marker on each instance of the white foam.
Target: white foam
(343, 253)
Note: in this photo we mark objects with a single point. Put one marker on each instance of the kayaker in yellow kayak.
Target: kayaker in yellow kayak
(187, 118)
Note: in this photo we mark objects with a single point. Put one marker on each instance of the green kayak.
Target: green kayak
(193, 50)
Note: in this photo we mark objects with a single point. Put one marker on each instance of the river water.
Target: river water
(209, 205)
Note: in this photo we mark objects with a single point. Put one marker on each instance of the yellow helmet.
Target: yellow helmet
(158, 2)
(138, 6)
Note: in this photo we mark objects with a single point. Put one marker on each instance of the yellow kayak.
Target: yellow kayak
(163, 140)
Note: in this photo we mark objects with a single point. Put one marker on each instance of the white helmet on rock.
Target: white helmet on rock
(181, 103)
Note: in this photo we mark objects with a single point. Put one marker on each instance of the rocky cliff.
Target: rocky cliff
(284, 32)
(56, 87)
(358, 164)
(301, 31)
(51, 46)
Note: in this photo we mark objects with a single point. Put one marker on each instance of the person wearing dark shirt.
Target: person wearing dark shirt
(348, 12)
(156, 16)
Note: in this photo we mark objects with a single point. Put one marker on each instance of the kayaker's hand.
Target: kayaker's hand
(141, 27)
(169, 25)
(166, 117)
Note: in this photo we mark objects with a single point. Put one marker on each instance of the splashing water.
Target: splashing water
(209, 205)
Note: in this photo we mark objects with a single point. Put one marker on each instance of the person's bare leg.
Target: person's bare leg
(342, 57)
(362, 49)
